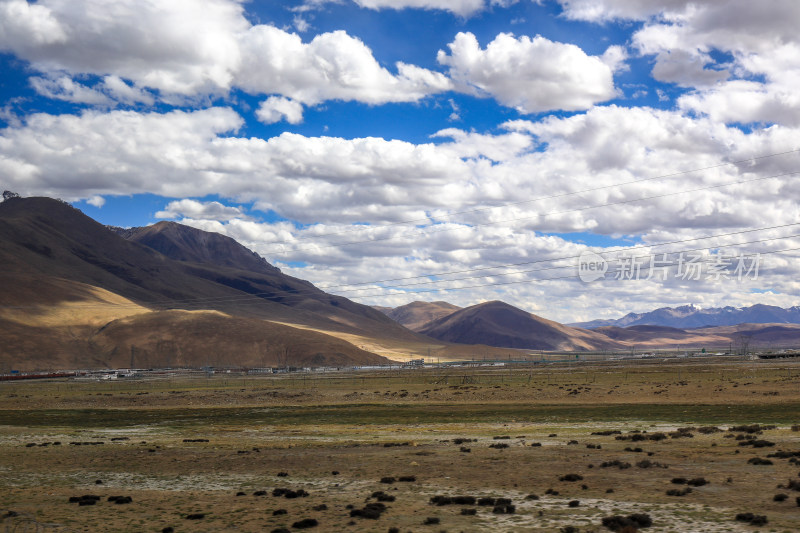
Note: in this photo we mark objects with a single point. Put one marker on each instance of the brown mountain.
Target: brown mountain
(416, 315)
(500, 324)
(184, 243)
(755, 336)
(60, 263)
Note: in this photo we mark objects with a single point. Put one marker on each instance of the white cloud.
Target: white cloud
(32, 25)
(192, 209)
(302, 25)
(464, 8)
(747, 102)
(332, 66)
(96, 200)
(531, 75)
(179, 47)
(605, 10)
(334, 180)
(64, 88)
(276, 108)
(740, 57)
(120, 91)
(189, 49)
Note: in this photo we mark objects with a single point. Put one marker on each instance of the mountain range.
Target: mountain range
(689, 316)
(77, 294)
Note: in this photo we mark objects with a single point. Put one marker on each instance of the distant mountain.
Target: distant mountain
(757, 337)
(689, 316)
(416, 315)
(500, 324)
(67, 278)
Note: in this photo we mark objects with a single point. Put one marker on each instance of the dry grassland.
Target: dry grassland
(180, 447)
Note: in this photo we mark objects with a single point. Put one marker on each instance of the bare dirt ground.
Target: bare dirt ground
(568, 445)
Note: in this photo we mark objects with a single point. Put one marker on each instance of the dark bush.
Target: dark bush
(431, 520)
(780, 497)
(499, 445)
(441, 500)
(752, 519)
(469, 512)
(407, 479)
(571, 477)
(372, 511)
(388, 480)
(697, 482)
(279, 512)
(679, 492)
(758, 461)
(574, 503)
(616, 462)
(647, 463)
(631, 522)
(504, 509)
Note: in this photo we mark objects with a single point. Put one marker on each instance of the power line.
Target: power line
(602, 253)
(572, 276)
(288, 295)
(541, 198)
(542, 215)
(558, 267)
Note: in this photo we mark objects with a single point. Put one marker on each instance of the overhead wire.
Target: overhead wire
(542, 198)
(429, 231)
(289, 295)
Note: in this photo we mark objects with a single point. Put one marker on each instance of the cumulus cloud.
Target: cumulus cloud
(531, 75)
(605, 10)
(139, 48)
(462, 8)
(64, 88)
(156, 45)
(276, 108)
(739, 58)
(193, 209)
(335, 180)
(96, 200)
(331, 66)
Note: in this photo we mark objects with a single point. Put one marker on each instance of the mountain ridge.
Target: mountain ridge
(500, 324)
(690, 316)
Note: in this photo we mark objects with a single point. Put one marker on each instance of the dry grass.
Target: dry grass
(370, 426)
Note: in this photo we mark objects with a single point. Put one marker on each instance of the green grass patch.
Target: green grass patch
(386, 414)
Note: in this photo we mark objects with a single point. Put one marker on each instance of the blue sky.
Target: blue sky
(356, 141)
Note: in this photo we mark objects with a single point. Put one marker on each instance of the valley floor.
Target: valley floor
(568, 445)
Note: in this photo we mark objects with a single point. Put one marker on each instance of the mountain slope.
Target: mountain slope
(689, 316)
(499, 324)
(184, 243)
(65, 276)
(416, 315)
(50, 238)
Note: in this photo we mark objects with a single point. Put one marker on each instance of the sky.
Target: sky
(579, 159)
